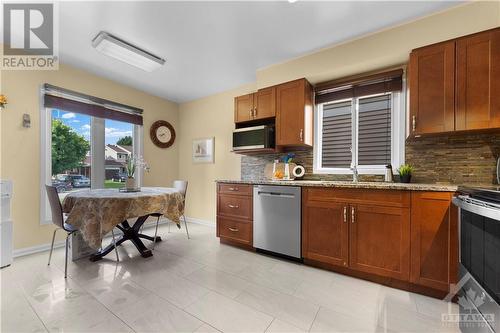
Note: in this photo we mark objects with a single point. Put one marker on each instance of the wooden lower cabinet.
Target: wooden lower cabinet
(325, 232)
(380, 240)
(235, 230)
(410, 243)
(434, 240)
(235, 213)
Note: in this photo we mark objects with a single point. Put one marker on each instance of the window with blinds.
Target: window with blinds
(360, 121)
(374, 130)
(337, 135)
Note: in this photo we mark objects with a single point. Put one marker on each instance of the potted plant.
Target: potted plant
(405, 172)
(134, 163)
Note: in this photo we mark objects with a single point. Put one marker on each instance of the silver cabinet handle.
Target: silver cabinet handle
(233, 206)
(345, 214)
(251, 113)
(233, 189)
(254, 112)
(353, 215)
(301, 135)
(414, 123)
(233, 229)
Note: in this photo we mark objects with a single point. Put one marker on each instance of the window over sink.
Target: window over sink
(360, 123)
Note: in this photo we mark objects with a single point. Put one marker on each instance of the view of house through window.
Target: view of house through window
(118, 150)
(71, 151)
(71, 143)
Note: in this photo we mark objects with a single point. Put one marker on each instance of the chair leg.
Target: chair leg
(156, 232)
(66, 257)
(185, 223)
(168, 224)
(114, 244)
(52, 245)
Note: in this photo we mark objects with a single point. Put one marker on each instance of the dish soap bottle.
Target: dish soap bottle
(389, 177)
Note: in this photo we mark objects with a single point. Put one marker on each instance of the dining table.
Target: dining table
(95, 212)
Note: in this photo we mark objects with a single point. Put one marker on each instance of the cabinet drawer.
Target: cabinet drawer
(392, 198)
(235, 189)
(235, 206)
(235, 230)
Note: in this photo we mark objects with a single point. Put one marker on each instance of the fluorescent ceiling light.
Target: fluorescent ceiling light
(126, 52)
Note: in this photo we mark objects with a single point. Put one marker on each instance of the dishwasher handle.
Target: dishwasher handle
(275, 194)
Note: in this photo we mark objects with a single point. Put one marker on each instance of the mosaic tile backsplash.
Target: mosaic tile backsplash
(453, 159)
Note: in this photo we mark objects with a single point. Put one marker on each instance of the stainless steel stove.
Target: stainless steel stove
(479, 296)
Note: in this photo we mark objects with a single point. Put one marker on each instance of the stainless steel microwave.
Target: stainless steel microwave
(255, 137)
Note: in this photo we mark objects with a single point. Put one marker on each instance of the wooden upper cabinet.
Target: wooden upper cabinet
(432, 89)
(434, 240)
(243, 108)
(380, 240)
(259, 105)
(478, 81)
(294, 114)
(265, 103)
(325, 231)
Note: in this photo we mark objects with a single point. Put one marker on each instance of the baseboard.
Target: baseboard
(36, 249)
(149, 224)
(200, 221)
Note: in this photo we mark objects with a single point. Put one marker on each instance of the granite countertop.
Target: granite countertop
(348, 184)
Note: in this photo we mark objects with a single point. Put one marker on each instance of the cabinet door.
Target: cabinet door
(325, 232)
(380, 240)
(432, 89)
(434, 240)
(293, 114)
(243, 108)
(265, 103)
(478, 81)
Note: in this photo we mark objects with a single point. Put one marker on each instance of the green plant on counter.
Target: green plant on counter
(405, 169)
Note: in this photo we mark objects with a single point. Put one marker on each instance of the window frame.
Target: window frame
(398, 135)
(97, 136)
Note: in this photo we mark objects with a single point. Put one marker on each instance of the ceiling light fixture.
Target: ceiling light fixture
(126, 52)
(292, 1)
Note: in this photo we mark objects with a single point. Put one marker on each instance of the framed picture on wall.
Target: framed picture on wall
(203, 150)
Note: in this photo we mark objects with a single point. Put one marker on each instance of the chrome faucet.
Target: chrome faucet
(355, 173)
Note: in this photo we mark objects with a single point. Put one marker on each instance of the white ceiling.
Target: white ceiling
(214, 46)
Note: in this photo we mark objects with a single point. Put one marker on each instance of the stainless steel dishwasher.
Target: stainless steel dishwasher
(276, 219)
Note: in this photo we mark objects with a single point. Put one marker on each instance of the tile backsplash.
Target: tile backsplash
(455, 159)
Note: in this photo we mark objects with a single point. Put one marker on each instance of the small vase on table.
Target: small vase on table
(130, 183)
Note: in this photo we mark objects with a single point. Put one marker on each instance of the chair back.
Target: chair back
(55, 206)
(181, 186)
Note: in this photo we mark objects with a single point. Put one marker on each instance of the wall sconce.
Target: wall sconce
(26, 120)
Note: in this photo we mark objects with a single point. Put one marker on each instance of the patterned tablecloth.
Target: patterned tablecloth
(97, 212)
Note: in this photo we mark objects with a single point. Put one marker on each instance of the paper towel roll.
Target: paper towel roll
(299, 171)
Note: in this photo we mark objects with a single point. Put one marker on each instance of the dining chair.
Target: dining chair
(181, 186)
(59, 220)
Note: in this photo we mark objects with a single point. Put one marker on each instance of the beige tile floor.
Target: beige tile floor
(199, 285)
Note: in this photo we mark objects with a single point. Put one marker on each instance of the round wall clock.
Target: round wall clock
(162, 134)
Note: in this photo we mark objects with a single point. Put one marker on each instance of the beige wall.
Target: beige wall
(208, 117)
(213, 116)
(20, 147)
